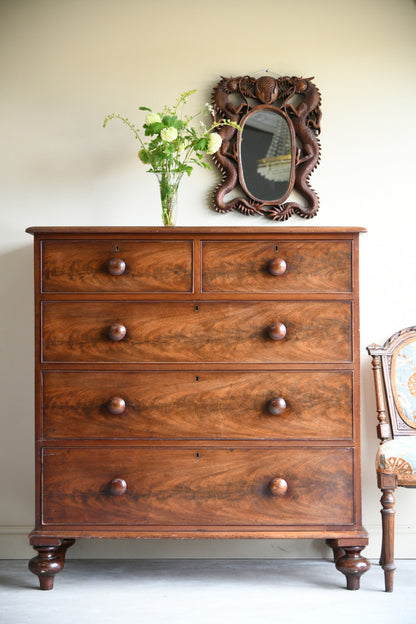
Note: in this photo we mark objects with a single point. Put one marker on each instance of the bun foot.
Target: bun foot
(353, 565)
(49, 561)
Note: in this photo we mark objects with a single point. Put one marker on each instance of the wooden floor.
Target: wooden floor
(204, 592)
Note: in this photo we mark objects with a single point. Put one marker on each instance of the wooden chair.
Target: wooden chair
(394, 368)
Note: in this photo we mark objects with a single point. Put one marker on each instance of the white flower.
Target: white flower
(169, 134)
(214, 143)
(152, 118)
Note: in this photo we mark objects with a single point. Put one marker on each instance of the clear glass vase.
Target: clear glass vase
(168, 187)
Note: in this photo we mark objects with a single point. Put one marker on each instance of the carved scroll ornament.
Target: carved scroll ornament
(297, 101)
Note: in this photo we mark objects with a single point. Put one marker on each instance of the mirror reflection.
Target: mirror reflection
(266, 155)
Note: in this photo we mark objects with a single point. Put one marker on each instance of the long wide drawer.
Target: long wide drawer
(220, 405)
(204, 486)
(274, 266)
(258, 332)
(117, 266)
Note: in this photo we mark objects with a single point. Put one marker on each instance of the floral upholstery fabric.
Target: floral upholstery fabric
(398, 456)
(403, 376)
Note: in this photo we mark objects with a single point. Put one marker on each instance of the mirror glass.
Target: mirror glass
(266, 155)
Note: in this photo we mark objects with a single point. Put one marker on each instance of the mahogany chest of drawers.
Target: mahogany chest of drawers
(197, 382)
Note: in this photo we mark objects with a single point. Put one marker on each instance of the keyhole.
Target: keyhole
(197, 455)
(116, 248)
(276, 247)
(197, 378)
(196, 308)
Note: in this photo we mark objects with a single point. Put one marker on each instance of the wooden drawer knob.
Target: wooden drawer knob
(276, 331)
(118, 487)
(116, 405)
(276, 406)
(116, 266)
(117, 332)
(277, 266)
(278, 486)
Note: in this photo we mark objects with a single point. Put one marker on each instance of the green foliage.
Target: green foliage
(154, 128)
(174, 145)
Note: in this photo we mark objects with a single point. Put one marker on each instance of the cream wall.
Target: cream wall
(66, 63)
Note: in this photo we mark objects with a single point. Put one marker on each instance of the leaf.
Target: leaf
(156, 158)
(201, 145)
(144, 156)
(145, 108)
(174, 122)
(154, 143)
(154, 128)
(169, 121)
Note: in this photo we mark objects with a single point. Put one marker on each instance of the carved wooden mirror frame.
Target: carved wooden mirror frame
(295, 99)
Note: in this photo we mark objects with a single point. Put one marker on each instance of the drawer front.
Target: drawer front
(197, 405)
(312, 267)
(207, 332)
(97, 266)
(197, 486)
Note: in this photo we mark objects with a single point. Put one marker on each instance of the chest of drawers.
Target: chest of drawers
(197, 382)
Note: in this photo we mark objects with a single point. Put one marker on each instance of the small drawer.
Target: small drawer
(175, 405)
(277, 267)
(258, 332)
(116, 266)
(203, 486)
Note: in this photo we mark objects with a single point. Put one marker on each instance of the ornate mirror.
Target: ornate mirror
(276, 150)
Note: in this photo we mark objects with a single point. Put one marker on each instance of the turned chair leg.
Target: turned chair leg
(387, 548)
(381, 560)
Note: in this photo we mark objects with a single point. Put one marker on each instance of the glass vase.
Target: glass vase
(168, 187)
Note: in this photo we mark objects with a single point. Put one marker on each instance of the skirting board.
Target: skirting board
(14, 544)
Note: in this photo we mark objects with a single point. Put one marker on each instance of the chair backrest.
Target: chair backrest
(394, 367)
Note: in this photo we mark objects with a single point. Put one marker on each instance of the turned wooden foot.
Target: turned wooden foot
(352, 565)
(49, 561)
